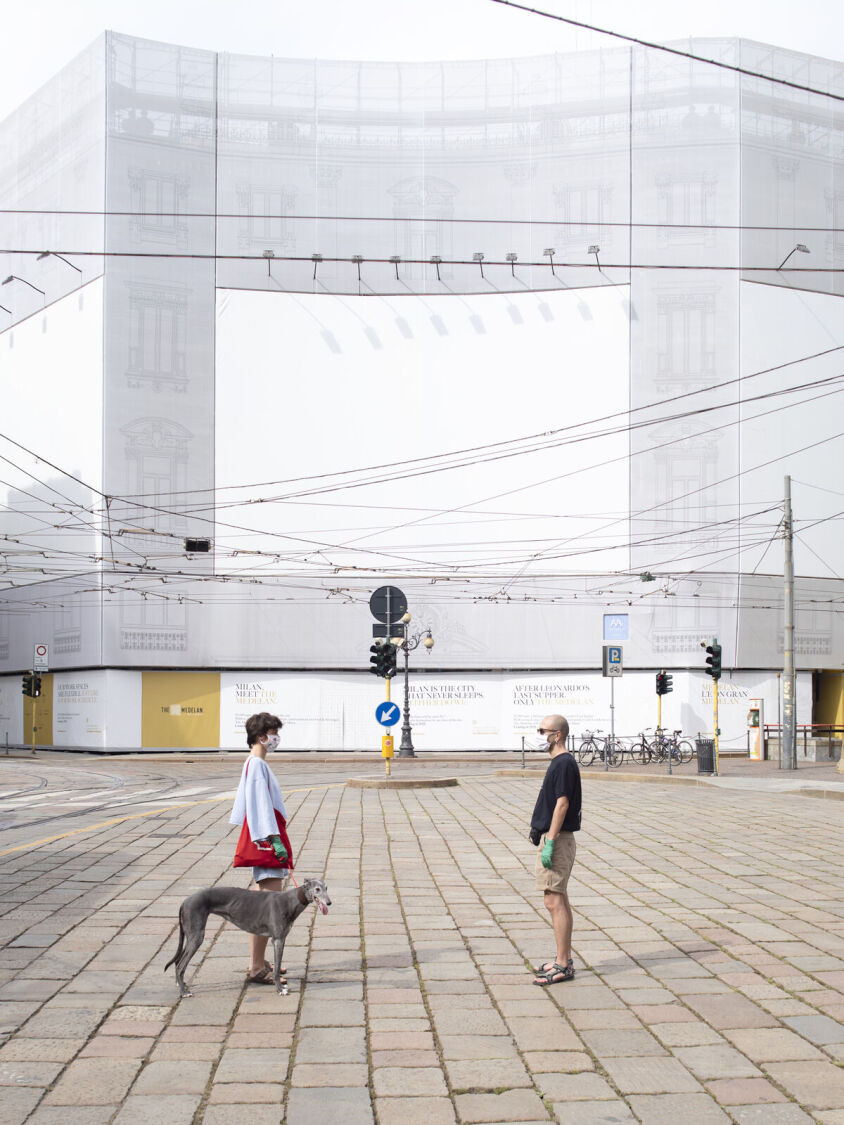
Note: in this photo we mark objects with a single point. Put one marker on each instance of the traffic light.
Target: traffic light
(383, 659)
(713, 661)
(36, 686)
(27, 686)
(664, 683)
(389, 659)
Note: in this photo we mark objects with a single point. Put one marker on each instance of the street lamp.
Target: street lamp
(53, 254)
(14, 277)
(408, 644)
(801, 247)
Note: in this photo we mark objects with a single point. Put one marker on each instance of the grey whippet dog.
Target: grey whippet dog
(267, 913)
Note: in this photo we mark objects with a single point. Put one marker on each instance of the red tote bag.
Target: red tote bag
(249, 854)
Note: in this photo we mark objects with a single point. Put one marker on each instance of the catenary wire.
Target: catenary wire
(691, 56)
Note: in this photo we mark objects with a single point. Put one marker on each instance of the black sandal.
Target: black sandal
(555, 975)
(549, 964)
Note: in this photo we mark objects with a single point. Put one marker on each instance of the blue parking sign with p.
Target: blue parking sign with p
(612, 660)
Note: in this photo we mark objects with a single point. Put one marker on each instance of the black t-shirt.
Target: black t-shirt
(562, 779)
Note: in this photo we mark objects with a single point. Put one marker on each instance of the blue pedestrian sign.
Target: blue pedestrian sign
(387, 714)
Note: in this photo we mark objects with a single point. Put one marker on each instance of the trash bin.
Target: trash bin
(705, 755)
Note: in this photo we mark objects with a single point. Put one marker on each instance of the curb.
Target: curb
(709, 781)
(400, 783)
(643, 778)
(832, 794)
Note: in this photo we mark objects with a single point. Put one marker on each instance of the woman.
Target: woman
(256, 806)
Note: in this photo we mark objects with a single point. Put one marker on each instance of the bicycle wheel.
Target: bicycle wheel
(639, 753)
(615, 751)
(586, 752)
(685, 751)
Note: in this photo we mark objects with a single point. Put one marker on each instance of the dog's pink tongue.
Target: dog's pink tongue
(323, 909)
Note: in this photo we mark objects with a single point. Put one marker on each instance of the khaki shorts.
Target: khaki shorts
(556, 877)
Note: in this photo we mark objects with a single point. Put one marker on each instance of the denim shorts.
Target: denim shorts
(259, 873)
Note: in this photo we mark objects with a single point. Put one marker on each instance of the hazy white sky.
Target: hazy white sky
(40, 36)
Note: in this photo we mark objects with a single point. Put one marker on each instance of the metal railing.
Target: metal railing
(818, 732)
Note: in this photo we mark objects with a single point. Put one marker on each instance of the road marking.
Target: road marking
(149, 812)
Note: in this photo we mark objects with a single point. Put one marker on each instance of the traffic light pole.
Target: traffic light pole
(387, 760)
(715, 720)
(34, 727)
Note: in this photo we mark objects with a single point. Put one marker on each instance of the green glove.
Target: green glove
(547, 852)
(279, 848)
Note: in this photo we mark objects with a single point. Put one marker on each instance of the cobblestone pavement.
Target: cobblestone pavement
(708, 936)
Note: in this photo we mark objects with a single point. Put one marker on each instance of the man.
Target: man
(555, 819)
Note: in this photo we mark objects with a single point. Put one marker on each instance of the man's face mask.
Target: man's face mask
(273, 741)
(538, 742)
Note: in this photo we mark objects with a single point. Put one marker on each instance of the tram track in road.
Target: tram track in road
(156, 789)
(84, 786)
(132, 786)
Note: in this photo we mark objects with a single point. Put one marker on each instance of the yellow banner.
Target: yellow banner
(180, 709)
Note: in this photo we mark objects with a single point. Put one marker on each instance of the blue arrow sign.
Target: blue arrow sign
(387, 714)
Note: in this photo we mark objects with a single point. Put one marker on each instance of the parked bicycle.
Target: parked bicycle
(595, 744)
(657, 748)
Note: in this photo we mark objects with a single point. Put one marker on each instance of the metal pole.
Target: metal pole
(34, 727)
(715, 717)
(670, 748)
(523, 751)
(611, 743)
(788, 684)
(406, 746)
(779, 717)
(387, 685)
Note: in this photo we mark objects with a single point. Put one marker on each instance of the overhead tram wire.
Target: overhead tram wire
(606, 434)
(287, 216)
(322, 547)
(626, 457)
(544, 437)
(690, 55)
(306, 259)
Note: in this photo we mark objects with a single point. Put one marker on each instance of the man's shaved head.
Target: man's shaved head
(556, 722)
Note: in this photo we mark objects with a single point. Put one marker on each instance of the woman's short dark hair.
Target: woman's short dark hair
(259, 725)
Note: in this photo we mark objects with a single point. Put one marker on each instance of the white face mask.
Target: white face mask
(273, 741)
(537, 742)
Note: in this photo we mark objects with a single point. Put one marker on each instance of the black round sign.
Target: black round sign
(388, 604)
